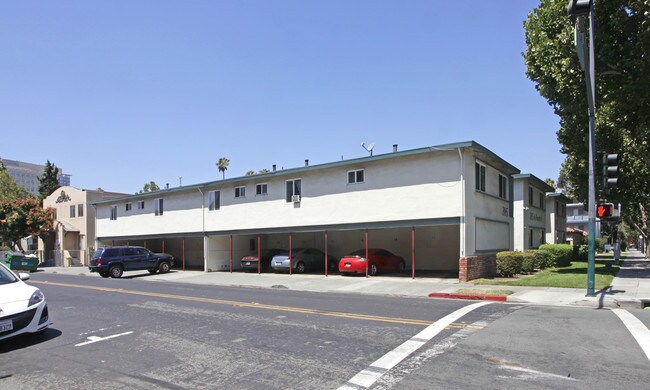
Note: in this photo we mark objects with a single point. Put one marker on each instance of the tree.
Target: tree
(222, 164)
(149, 187)
(9, 189)
(622, 45)
(250, 173)
(20, 218)
(49, 181)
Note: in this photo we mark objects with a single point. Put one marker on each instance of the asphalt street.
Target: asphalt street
(130, 333)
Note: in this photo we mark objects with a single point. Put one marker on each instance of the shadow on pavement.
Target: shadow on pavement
(27, 340)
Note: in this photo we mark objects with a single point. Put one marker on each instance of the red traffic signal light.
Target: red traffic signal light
(604, 210)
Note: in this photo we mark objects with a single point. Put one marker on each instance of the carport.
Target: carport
(187, 249)
(426, 246)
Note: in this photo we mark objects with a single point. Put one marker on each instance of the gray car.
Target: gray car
(303, 259)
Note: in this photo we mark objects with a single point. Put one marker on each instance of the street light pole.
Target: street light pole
(580, 9)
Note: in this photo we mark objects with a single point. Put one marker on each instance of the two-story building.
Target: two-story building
(74, 225)
(530, 214)
(444, 208)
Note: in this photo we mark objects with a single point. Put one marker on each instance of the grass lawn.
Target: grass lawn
(574, 276)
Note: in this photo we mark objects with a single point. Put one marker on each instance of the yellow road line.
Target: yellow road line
(255, 305)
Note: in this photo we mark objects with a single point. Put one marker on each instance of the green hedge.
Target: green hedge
(561, 253)
(509, 263)
(543, 259)
(600, 244)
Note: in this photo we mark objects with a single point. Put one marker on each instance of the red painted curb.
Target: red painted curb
(498, 298)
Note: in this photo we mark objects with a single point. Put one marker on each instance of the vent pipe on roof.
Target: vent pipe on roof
(167, 186)
(273, 167)
(306, 163)
(394, 148)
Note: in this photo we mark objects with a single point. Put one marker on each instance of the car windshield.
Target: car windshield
(7, 276)
(360, 252)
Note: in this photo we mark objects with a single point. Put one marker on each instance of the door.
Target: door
(131, 259)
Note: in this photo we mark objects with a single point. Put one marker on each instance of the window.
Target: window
(80, 210)
(261, 189)
(480, 177)
(542, 204)
(72, 211)
(355, 176)
(129, 206)
(530, 196)
(159, 206)
(293, 188)
(214, 200)
(141, 205)
(240, 192)
(53, 213)
(503, 187)
(113, 213)
(530, 239)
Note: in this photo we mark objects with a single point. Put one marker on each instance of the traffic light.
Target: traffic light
(610, 170)
(605, 210)
(578, 7)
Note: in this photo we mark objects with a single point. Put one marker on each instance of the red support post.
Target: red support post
(183, 254)
(259, 256)
(163, 242)
(367, 259)
(145, 244)
(326, 262)
(231, 253)
(290, 254)
(413, 253)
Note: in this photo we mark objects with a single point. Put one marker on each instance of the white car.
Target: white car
(22, 307)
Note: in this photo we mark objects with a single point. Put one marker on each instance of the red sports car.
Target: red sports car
(379, 260)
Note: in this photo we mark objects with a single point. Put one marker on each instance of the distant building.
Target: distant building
(26, 174)
(577, 217)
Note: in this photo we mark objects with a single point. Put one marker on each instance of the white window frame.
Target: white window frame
(353, 176)
(261, 189)
(113, 212)
(141, 205)
(80, 210)
(73, 210)
(531, 196)
(240, 192)
(128, 206)
(480, 171)
(214, 200)
(159, 206)
(289, 195)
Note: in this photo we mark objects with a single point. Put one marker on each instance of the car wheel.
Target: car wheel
(372, 270)
(163, 267)
(401, 266)
(104, 274)
(115, 271)
(300, 267)
(152, 270)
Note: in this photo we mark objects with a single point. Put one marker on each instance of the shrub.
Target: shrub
(543, 259)
(583, 253)
(623, 246)
(561, 253)
(509, 263)
(600, 244)
(529, 262)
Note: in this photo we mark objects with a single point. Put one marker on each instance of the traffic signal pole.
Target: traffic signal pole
(580, 9)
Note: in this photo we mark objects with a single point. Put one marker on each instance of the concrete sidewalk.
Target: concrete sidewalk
(630, 289)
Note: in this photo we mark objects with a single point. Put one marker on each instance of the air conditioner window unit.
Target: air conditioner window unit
(295, 198)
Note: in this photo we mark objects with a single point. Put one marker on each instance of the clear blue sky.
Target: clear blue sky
(119, 93)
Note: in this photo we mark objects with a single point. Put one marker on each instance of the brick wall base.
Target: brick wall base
(476, 267)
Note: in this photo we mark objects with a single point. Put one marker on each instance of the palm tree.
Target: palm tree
(222, 164)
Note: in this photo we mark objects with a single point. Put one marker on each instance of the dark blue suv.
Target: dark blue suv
(114, 261)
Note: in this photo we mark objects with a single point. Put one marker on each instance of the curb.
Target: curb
(476, 297)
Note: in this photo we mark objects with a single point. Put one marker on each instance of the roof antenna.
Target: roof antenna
(369, 148)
